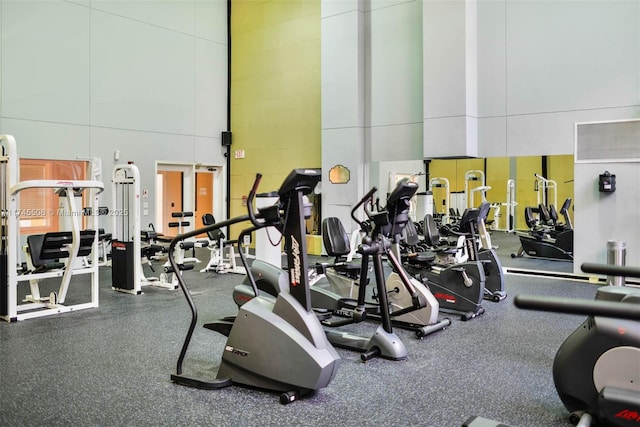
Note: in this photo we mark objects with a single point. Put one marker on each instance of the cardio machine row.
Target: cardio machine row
(270, 332)
(399, 300)
(278, 311)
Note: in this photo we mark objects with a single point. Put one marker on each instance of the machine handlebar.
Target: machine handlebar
(366, 198)
(250, 197)
(611, 270)
(618, 310)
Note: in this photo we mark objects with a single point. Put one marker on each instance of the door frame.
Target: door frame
(188, 187)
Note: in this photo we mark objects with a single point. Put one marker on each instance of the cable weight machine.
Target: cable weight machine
(126, 248)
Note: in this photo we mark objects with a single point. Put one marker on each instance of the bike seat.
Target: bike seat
(422, 258)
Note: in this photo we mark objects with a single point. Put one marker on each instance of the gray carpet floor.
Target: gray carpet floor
(110, 366)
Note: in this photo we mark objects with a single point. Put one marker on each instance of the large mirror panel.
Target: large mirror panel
(509, 184)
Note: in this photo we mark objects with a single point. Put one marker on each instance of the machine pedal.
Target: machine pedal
(222, 326)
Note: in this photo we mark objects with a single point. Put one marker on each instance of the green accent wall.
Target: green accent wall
(275, 92)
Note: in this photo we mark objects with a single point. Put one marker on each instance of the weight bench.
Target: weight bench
(180, 225)
(217, 244)
(45, 252)
(151, 249)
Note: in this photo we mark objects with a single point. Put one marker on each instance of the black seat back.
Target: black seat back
(544, 214)
(564, 211)
(553, 214)
(50, 247)
(484, 211)
(34, 243)
(214, 235)
(529, 218)
(431, 232)
(471, 217)
(411, 237)
(398, 204)
(334, 237)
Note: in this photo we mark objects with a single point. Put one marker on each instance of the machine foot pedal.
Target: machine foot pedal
(322, 314)
(222, 326)
(352, 304)
(201, 384)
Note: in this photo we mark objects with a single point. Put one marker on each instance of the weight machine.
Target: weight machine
(94, 171)
(223, 257)
(542, 187)
(510, 206)
(126, 248)
(482, 189)
(476, 176)
(51, 248)
(182, 223)
(444, 184)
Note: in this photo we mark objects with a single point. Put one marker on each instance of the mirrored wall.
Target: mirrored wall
(509, 184)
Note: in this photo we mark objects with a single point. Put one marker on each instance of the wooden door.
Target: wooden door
(172, 199)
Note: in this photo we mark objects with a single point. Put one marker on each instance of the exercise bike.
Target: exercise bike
(551, 219)
(596, 370)
(544, 241)
(274, 343)
(474, 223)
(454, 274)
(410, 304)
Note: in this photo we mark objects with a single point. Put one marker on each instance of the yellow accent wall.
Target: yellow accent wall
(498, 172)
(526, 168)
(454, 171)
(275, 92)
(561, 170)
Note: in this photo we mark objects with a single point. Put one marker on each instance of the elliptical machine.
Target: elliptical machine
(596, 370)
(383, 342)
(409, 303)
(274, 343)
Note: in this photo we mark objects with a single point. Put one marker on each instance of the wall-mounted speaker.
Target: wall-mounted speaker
(226, 138)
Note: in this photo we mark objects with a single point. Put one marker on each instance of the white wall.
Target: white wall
(600, 217)
(393, 63)
(371, 94)
(510, 77)
(532, 69)
(449, 78)
(86, 78)
(343, 111)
